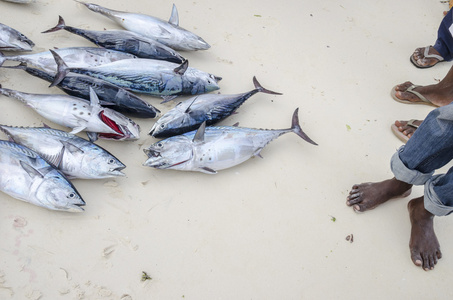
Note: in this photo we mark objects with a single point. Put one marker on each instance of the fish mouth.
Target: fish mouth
(121, 132)
(76, 208)
(117, 171)
(202, 44)
(73, 207)
(152, 153)
(152, 130)
(154, 162)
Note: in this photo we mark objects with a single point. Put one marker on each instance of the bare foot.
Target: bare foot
(424, 246)
(436, 94)
(408, 128)
(419, 59)
(368, 195)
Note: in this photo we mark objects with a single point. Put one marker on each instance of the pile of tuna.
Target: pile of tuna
(36, 162)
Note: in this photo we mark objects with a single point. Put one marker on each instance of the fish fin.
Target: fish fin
(164, 31)
(94, 100)
(208, 170)
(45, 125)
(180, 70)
(168, 98)
(71, 147)
(62, 69)
(188, 108)
(32, 172)
(174, 18)
(92, 136)
(236, 124)
(77, 129)
(295, 127)
(55, 160)
(258, 153)
(260, 88)
(61, 25)
(199, 135)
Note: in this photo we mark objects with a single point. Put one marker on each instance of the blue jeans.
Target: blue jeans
(444, 42)
(430, 148)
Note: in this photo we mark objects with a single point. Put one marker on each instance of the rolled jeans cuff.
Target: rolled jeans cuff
(403, 173)
(431, 200)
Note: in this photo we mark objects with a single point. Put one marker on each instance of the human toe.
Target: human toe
(403, 86)
(418, 53)
(416, 258)
(353, 201)
(358, 208)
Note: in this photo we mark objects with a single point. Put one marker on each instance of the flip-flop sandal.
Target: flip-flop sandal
(426, 55)
(410, 89)
(404, 138)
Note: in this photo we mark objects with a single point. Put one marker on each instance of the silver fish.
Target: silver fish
(188, 115)
(210, 149)
(73, 156)
(79, 114)
(124, 41)
(27, 177)
(168, 33)
(150, 76)
(73, 56)
(13, 40)
(21, 1)
(110, 95)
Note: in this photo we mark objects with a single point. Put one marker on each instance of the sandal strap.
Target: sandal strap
(412, 124)
(411, 90)
(427, 55)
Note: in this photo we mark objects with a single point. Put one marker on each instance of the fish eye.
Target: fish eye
(71, 195)
(111, 161)
(162, 126)
(160, 145)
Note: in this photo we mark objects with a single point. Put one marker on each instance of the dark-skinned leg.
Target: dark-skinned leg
(424, 246)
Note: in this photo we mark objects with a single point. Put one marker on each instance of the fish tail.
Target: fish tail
(62, 69)
(12, 94)
(295, 127)
(61, 25)
(21, 66)
(260, 88)
(97, 8)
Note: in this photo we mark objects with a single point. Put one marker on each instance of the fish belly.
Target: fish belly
(224, 153)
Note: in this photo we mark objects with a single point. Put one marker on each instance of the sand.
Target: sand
(272, 228)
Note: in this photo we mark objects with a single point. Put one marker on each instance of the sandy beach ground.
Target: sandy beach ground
(272, 228)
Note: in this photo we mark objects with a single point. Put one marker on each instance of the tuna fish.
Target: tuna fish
(149, 76)
(110, 95)
(24, 175)
(13, 40)
(124, 41)
(79, 114)
(73, 156)
(210, 149)
(73, 56)
(188, 115)
(168, 33)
